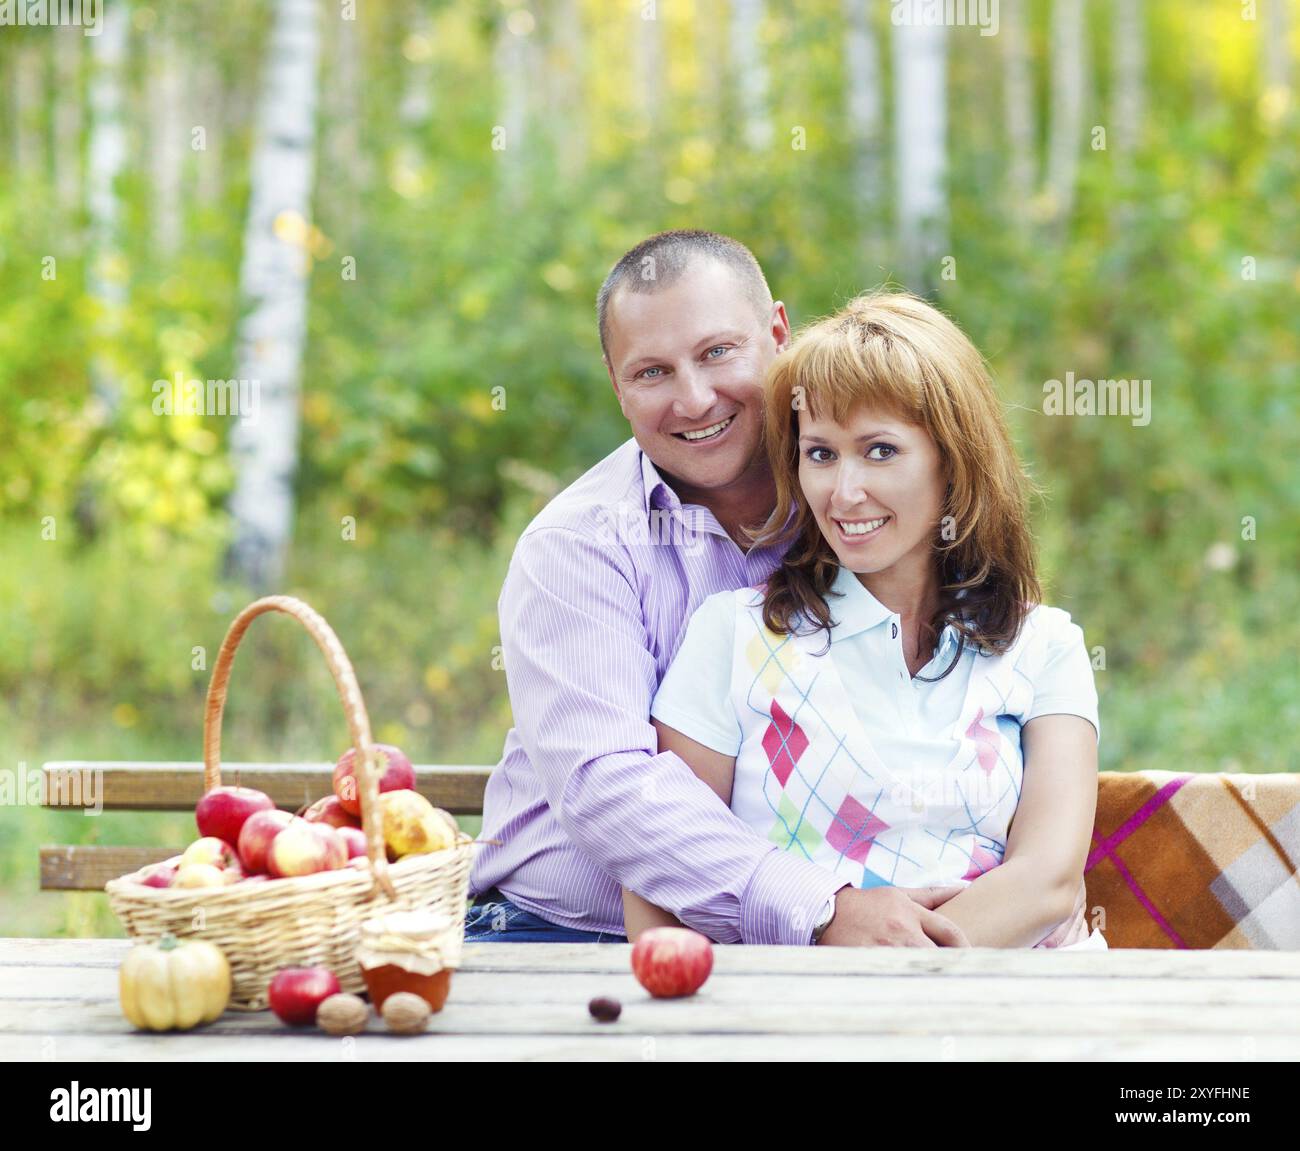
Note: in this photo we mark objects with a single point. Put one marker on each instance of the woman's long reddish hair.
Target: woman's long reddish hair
(893, 351)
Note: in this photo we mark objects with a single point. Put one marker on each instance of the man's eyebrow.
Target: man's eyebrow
(707, 342)
(858, 440)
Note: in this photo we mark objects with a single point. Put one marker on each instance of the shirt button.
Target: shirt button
(893, 631)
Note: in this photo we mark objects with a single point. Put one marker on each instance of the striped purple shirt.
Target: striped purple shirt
(594, 606)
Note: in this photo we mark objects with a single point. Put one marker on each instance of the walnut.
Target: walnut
(343, 1015)
(406, 1013)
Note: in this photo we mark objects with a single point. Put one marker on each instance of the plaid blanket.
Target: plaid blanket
(1196, 860)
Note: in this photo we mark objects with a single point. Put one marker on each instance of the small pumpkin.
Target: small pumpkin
(174, 985)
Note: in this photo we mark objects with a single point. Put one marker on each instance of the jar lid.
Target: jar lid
(423, 942)
(414, 925)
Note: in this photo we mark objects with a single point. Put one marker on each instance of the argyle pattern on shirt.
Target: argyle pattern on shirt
(808, 777)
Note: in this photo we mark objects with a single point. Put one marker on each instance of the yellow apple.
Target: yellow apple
(413, 826)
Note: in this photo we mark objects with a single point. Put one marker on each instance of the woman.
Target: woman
(946, 730)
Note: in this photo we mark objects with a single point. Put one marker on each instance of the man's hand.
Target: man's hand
(893, 917)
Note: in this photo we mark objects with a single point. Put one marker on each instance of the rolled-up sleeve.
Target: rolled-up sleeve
(581, 679)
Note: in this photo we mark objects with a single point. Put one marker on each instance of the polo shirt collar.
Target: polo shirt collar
(853, 607)
(857, 610)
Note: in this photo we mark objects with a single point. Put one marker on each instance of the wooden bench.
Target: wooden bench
(1178, 859)
(179, 786)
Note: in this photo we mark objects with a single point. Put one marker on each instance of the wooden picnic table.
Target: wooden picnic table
(59, 1000)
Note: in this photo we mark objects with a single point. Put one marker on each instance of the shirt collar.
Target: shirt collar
(657, 493)
(853, 607)
(857, 610)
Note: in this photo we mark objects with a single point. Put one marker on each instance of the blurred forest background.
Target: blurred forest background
(396, 216)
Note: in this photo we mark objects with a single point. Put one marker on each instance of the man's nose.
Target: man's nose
(695, 397)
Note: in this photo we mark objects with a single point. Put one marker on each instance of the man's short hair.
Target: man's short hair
(660, 261)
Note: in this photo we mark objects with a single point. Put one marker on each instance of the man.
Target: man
(596, 599)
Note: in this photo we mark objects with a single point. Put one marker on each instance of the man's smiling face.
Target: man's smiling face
(687, 358)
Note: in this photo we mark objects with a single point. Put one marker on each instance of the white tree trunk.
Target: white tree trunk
(749, 66)
(67, 121)
(920, 148)
(647, 51)
(210, 116)
(1277, 46)
(273, 284)
(28, 98)
(569, 78)
(512, 69)
(1065, 134)
(1130, 62)
(863, 83)
(107, 159)
(167, 100)
(1018, 110)
(342, 194)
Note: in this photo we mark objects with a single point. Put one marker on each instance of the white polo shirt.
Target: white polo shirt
(847, 759)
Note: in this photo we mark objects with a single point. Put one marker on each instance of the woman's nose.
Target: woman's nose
(849, 490)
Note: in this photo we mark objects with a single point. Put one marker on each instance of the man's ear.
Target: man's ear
(779, 326)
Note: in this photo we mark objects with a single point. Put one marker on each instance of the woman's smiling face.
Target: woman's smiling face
(876, 489)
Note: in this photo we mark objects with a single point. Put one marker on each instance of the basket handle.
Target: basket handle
(354, 707)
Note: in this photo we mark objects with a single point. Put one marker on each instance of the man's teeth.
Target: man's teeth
(707, 433)
(861, 529)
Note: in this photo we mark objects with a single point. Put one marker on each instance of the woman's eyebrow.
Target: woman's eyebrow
(858, 440)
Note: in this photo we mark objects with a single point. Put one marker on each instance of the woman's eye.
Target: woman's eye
(889, 448)
(810, 454)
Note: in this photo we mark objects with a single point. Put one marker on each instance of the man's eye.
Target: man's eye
(645, 373)
(719, 348)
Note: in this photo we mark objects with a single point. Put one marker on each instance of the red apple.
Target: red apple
(304, 848)
(223, 810)
(211, 850)
(331, 810)
(354, 839)
(670, 962)
(256, 835)
(296, 993)
(160, 874)
(395, 774)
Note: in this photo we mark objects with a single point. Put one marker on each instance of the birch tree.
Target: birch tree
(863, 113)
(1129, 55)
(750, 71)
(1065, 132)
(1018, 109)
(108, 145)
(1277, 46)
(273, 286)
(510, 55)
(920, 148)
(68, 121)
(647, 52)
(167, 106)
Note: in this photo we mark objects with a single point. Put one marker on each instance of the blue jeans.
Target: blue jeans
(493, 918)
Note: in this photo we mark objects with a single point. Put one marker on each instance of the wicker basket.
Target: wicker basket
(309, 920)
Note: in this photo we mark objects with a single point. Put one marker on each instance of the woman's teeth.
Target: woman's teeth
(706, 433)
(863, 528)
